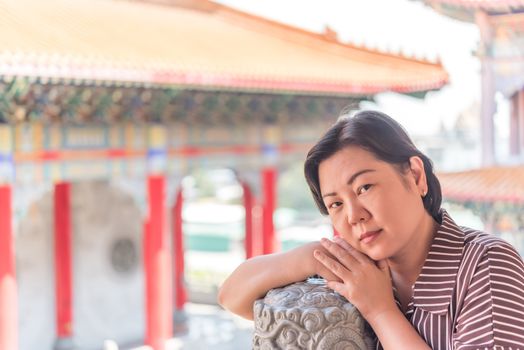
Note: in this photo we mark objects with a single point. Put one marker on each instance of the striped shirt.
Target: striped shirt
(470, 292)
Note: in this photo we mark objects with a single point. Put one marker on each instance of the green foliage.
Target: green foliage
(204, 183)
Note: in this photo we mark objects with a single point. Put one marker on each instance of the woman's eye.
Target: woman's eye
(363, 189)
(334, 205)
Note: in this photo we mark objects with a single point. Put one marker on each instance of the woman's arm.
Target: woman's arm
(395, 332)
(256, 276)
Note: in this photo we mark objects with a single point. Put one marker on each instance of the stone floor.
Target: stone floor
(209, 327)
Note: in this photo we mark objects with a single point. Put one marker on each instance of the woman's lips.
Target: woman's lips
(370, 236)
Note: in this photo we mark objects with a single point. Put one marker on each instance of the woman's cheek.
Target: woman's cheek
(342, 227)
(345, 233)
(338, 223)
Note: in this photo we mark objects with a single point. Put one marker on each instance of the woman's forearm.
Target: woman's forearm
(395, 332)
(256, 276)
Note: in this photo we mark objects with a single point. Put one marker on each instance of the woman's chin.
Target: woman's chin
(377, 255)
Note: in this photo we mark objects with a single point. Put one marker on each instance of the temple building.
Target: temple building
(494, 192)
(106, 105)
(501, 53)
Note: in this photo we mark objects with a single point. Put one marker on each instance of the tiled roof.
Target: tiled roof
(496, 184)
(466, 10)
(193, 43)
(483, 4)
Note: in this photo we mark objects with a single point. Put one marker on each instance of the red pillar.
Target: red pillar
(63, 264)
(148, 276)
(248, 205)
(159, 326)
(258, 235)
(269, 176)
(8, 296)
(178, 251)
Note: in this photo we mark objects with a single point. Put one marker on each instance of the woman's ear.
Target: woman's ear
(416, 166)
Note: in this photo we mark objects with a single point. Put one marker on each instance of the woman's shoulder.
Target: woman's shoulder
(477, 237)
(478, 246)
(490, 286)
(490, 246)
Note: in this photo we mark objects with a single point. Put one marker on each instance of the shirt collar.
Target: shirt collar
(434, 287)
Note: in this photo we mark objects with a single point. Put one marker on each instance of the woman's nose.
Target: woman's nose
(356, 213)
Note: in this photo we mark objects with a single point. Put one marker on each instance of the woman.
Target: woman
(420, 281)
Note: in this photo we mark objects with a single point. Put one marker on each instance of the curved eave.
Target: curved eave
(489, 185)
(480, 198)
(202, 45)
(491, 5)
(208, 80)
(464, 10)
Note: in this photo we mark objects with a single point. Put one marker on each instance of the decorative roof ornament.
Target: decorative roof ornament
(330, 34)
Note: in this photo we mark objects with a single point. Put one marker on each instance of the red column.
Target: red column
(248, 205)
(159, 326)
(63, 263)
(178, 251)
(8, 296)
(269, 176)
(148, 276)
(258, 234)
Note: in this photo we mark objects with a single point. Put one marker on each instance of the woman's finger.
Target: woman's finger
(384, 267)
(361, 258)
(343, 243)
(340, 253)
(336, 286)
(332, 265)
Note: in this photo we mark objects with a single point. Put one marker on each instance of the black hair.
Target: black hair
(380, 135)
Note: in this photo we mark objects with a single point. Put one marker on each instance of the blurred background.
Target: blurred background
(148, 147)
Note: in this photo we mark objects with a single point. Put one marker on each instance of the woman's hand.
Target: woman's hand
(366, 284)
(315, 266)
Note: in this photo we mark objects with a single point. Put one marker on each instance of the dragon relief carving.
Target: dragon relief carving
(309, 316)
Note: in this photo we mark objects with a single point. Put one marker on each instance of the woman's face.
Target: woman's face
(374, 207)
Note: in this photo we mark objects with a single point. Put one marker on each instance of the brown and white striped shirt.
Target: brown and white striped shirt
(470, 292)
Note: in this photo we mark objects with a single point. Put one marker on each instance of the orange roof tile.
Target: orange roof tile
(195, 43)
(466, 10)
(496, 184)
(482, 4)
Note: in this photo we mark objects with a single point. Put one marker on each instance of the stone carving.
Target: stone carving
(309, 315)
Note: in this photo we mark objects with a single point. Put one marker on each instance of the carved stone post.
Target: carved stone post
(308, 315)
